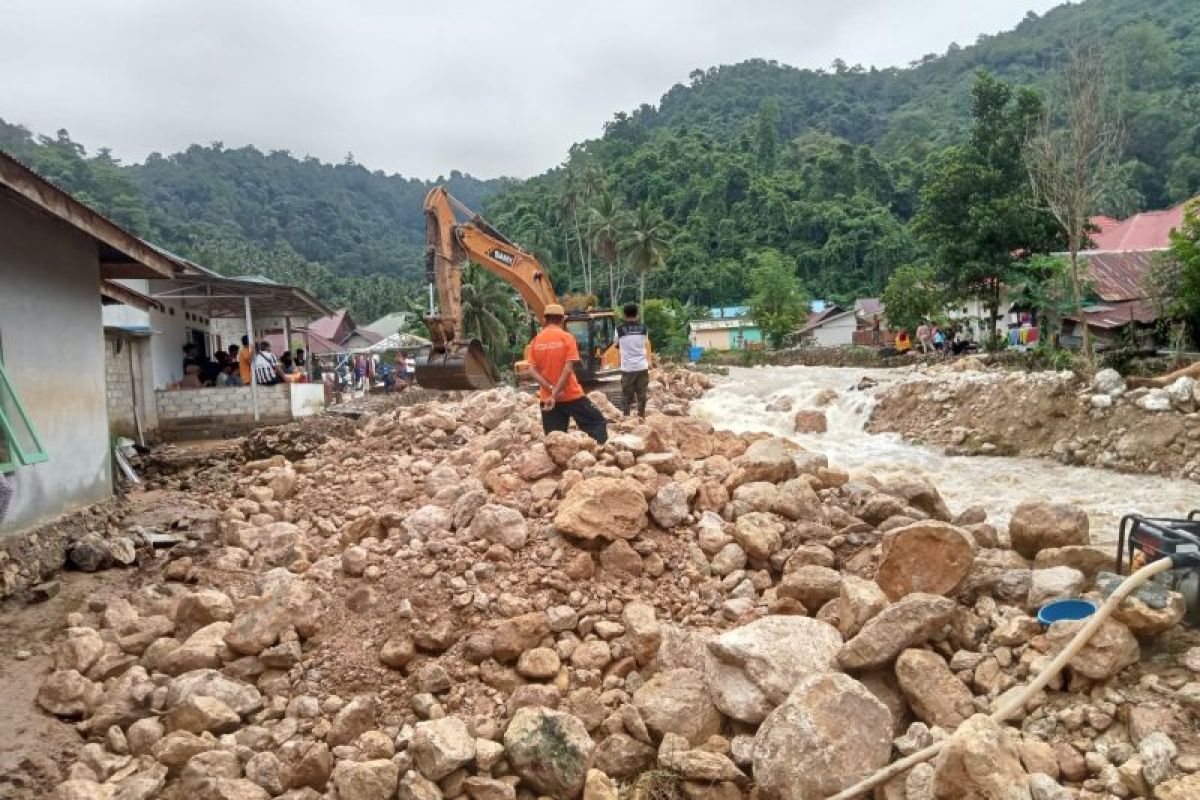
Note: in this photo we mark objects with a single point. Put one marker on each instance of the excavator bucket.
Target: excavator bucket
(459, 365)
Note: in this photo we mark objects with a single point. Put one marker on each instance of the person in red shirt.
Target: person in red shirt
(552, 357)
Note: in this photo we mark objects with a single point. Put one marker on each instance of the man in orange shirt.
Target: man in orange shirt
(553, 354)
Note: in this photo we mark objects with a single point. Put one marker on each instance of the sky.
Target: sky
(489, 87)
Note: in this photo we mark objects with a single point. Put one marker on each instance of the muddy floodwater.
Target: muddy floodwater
(739, 403)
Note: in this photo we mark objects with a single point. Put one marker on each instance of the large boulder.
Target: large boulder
(980, 763)
(1110, 650)
(501, 525)
(858, 600)
(933, 692)
(602, 508)
(241, 697)
(1037, 526)
(677, 701)
(550, 750)
(760, 535)
(670, 505)
(66, 693)
(917, 492)
(767, 460)
(932, 557)
(914, 620)
(754, 667)
(441, 746)
(286, 600)
(829, 734)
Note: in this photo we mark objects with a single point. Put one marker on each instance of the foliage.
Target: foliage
(779, 303)
(977, 208)
(667, 323)
(489, 313)
(645, 244)
(1183, 268)
(911, 295)
(1043, 283)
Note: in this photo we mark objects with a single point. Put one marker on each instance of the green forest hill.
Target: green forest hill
(822, 169)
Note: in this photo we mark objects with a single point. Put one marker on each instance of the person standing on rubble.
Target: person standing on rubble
(553, 354)
(633, 344)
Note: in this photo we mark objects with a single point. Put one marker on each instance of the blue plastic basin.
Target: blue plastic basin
(1059, 610)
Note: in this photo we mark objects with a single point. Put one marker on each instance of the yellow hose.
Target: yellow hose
(1018, 702)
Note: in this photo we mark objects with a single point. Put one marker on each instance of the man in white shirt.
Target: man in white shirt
(633, 343)
(267, 371)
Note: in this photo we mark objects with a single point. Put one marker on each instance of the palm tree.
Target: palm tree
(606, 226)
(645, 245)
(574, 193)
(488, 312)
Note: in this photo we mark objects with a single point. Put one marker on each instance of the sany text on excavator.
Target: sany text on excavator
(455, 361)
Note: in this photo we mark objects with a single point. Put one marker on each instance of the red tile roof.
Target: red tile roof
(328, 326)
(1148, 230)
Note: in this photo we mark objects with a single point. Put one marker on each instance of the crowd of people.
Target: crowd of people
(934, 339)
(236, 365)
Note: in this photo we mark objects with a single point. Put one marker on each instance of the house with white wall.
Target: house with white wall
(833, 326)
(58, 259)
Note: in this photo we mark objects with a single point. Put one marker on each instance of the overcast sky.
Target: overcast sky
(489, 87)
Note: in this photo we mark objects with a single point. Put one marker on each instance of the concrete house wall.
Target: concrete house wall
(172, 330)
(52, 344)
(835, 332)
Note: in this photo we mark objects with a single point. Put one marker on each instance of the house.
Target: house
(389, 324)
(340, 328)
(1121, 311)
(1148, 230)
(727, 328)
(59, 260)
(833, 326)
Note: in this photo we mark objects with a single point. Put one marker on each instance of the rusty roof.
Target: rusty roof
(1118, 276)
(1116, 315)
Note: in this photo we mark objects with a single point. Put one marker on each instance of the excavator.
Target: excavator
(455, 361)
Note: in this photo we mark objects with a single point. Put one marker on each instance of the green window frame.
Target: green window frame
(12, 413)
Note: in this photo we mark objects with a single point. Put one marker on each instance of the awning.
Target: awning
(112, 292)
(218, 297)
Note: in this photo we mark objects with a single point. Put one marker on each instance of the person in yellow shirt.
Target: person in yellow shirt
(245, 357)
(553, 354)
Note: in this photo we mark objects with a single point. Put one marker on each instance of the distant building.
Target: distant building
(727, 328)
(341, 329)
(833, 326)
(389, 324)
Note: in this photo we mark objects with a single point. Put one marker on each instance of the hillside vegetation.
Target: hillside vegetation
(824, 167)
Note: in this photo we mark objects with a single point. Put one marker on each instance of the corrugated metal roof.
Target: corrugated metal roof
(822, 318)
(1119, 276)
(1116, 315)
(722, 324)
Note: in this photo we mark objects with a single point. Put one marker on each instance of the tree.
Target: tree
(912, 295)
(488, 312)
(645, 244)
(779, 303)
(766, 136)
(1175, 279)
(606, 226)
(666, 320)
(976, 210)
(1072, 155)
(1044, 284)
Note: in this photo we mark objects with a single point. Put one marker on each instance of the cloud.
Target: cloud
(480, 86)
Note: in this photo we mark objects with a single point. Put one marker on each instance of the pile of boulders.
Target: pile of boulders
(449, 604)
(1099, 422)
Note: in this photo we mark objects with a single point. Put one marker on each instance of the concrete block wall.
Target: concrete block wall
(118, 386)
(221, 410)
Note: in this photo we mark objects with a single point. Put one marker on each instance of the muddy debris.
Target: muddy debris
(435, 601)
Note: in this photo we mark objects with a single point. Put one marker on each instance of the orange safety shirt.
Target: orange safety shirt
(552, 351)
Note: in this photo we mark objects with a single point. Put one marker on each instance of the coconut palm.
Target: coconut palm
(489, 312)
(606, 225)
(645, 244)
